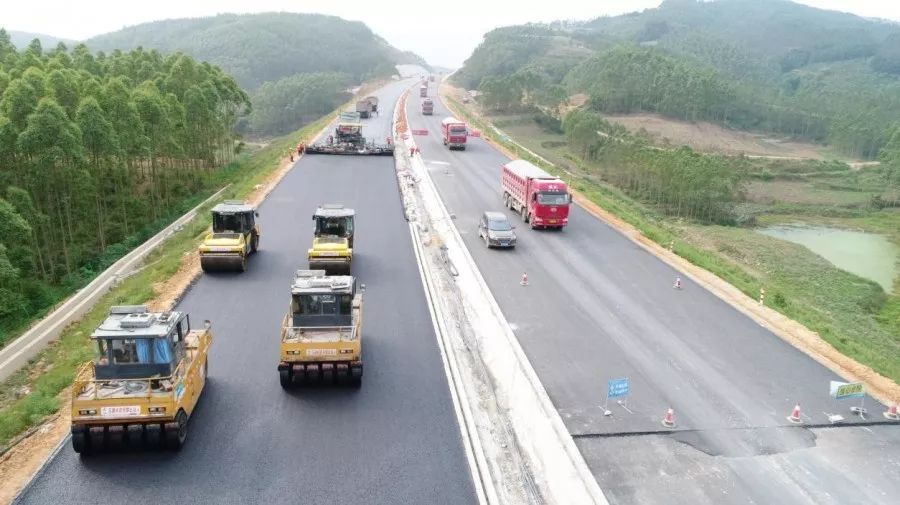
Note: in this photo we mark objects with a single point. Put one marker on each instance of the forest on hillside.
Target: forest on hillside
(94, 148)
(766, 65)
(293, 66)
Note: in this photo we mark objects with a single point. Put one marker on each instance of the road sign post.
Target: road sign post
(844, 390)
(617, 388)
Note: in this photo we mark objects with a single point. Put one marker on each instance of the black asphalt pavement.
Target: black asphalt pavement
(394, 441)
(599, 307)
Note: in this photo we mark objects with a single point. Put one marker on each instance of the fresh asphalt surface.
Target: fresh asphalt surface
(599, 307)
(393, 441)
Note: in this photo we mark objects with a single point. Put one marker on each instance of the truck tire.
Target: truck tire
(254, 243)
(525, 216)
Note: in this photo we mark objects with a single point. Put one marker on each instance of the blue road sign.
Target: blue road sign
(617, 388)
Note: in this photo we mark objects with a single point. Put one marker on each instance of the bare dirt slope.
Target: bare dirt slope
(709, 137)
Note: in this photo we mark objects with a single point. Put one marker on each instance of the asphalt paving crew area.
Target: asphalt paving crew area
(394, 440)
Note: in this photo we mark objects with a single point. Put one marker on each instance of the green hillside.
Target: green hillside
(768, 65)
(259, 48)
(294, 66)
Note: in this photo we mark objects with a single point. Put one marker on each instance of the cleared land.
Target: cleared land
(709, 137)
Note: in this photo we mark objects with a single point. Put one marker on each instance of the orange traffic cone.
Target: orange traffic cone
(524, 281)
(677, 284)
(795, 415)
(669, 420)
(892, 414)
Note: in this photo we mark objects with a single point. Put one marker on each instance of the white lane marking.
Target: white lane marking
(436, 162)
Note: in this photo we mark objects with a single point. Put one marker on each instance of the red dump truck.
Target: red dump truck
(427, 107)
(454, 133)
(423, 90)
(542, 199)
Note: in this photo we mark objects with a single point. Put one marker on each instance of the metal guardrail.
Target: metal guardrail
(18, 352)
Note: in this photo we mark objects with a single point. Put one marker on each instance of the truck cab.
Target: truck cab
(454, 133)
(541, 199)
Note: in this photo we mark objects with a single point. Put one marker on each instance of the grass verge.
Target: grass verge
(852, 314)
(30, 395)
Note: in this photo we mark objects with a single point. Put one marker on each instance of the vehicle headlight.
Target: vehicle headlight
(293, 352)
(157, 410)
(87, 412)
(346, 351)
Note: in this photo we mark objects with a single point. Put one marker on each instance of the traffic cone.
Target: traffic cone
(892, 413)
(795, 415)
(524, 281)
(677, 284)
(669, 420)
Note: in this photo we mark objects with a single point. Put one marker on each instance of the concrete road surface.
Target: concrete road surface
(599, 307)
(393, 441)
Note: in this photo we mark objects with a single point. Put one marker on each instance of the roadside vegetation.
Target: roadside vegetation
(33, 393)
(98, 152)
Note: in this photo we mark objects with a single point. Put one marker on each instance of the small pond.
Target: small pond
(867, 255)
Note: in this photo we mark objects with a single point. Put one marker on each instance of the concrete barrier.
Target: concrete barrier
(554, 462)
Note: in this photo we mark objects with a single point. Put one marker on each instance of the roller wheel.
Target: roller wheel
(80, 442)
(135, 435)
(154, 436)
(243, 266)
(284, 377)
(177, 434)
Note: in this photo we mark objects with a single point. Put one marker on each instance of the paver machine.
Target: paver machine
(348, 139)
(332, 247)
(140, 390)
(321, 334)
(235, 235)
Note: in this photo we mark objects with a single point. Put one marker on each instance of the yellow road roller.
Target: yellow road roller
(332, 247)
(140, 389)
(321, 334)
(235, 235)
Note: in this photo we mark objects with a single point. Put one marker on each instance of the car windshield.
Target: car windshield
(553, 198)
(457, 129)
(499, 225)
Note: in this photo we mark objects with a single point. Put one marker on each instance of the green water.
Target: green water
(867, 255)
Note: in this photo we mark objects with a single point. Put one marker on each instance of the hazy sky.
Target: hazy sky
(444, 32)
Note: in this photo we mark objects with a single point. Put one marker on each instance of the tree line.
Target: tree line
(93, 148)
(679, 182)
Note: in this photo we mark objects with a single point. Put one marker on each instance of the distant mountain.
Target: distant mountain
(259, 48)
(22, 39)
(752, 64)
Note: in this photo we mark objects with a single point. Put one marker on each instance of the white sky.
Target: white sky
(444, 32)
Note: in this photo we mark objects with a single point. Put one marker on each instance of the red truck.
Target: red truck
(427, 107)
(542, 199)
(423, 90)
(454, 133)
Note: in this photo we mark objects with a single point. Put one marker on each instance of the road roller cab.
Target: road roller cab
(332, 247)
(235, 235)
(143, 384)
(321, 334)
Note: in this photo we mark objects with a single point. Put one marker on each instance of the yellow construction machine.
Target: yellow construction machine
(332, 247)
(321, 335)
(235, 235)
(139, 391)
